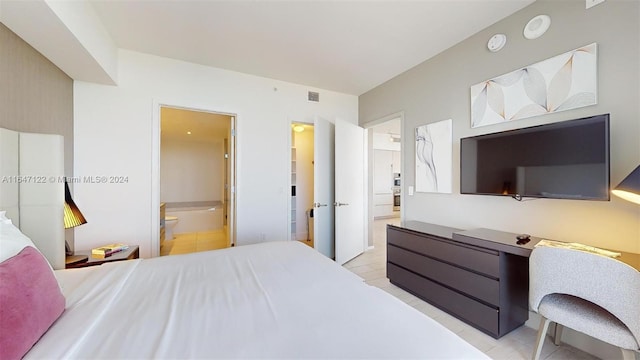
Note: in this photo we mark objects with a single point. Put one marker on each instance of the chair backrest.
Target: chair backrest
(604, 281)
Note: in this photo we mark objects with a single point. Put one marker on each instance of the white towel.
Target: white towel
(578, 246)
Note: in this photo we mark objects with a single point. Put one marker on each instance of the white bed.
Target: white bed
(271, 300)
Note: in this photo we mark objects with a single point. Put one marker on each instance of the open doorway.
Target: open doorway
(385, 171)
(332, 160)
(302, 183)
(197, 167)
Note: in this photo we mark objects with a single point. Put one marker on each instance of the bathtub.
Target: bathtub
(196, 216)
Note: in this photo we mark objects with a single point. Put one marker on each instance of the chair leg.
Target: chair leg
(557, 334)
(628, 354)
(542, 334)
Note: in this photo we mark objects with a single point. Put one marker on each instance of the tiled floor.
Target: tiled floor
(194, 242)
(307, 242)
(516, 345)
(200, 241)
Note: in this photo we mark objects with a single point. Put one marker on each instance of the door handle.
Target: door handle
(336, 204)
(317, 205)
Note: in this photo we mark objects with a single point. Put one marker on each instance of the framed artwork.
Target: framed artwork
(434, 157)
(563, 82)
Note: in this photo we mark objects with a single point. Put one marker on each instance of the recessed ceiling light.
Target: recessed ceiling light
(298, 128)
(188, 132)
(537, 26)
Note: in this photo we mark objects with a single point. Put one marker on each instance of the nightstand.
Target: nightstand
(133, 252)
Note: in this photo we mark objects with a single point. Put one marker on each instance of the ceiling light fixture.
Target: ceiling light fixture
(298, 128)
(188, 132)
(537, 26)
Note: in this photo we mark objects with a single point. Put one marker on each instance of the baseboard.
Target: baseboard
(381, 217)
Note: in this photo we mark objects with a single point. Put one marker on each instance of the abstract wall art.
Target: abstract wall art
(434, 157)
(563, 82)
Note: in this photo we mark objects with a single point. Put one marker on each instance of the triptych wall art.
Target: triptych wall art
(434, 157)
(563, 82)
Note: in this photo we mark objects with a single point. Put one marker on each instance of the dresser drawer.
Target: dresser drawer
(470, 283)
(477, 314)
(478, 259)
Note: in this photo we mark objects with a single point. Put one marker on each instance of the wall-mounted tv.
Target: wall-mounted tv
(562, 160)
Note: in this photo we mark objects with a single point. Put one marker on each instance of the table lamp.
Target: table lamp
(629, 188)
(72, 218)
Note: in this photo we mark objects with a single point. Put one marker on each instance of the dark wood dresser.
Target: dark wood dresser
(479, 276)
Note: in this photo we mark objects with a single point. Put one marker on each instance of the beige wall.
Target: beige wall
(191, 170)
(438, 89)
(35, 96)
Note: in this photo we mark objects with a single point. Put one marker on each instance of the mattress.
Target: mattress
(270, 300)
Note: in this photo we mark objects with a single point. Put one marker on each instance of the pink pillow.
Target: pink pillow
(30, 301)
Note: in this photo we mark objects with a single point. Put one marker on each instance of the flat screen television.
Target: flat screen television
(562, 160)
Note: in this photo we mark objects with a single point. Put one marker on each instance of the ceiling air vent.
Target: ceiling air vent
(314, 96)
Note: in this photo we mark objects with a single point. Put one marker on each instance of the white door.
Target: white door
(349, 191)
(323, 187)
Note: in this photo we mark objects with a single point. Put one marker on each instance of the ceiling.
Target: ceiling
(344, 46)
(203, 126)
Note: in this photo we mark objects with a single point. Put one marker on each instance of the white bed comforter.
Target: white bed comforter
(272, 300)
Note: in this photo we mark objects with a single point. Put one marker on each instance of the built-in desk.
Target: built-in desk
(480, 276)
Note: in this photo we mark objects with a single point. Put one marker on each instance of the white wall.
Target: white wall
(381, 142)
(114, 125)
(191, 171)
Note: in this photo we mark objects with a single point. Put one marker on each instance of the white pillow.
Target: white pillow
(4, 218)
(12, 241)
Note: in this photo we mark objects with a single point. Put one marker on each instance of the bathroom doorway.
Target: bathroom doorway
(197, 176)
(302, 183)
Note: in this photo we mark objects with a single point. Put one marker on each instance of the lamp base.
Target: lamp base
(75, 259)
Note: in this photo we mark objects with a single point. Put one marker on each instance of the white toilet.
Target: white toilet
(169, 223)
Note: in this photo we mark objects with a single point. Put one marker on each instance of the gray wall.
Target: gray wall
(438, 89)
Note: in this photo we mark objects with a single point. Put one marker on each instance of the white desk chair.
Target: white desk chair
(590, 293)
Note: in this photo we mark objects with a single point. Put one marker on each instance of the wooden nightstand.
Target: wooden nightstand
(133, 252)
